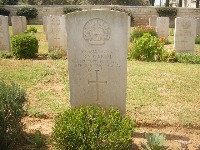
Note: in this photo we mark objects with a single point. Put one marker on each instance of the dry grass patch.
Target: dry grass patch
(164, 93)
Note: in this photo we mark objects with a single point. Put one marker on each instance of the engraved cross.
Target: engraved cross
(97, 82)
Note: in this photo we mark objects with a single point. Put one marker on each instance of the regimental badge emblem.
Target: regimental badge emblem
(96, 31)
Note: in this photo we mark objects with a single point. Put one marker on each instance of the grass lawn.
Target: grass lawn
(158, 93)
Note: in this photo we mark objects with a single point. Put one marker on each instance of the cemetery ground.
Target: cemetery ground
(162, 97)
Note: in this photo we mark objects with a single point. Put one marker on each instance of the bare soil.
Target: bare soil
(174, 135)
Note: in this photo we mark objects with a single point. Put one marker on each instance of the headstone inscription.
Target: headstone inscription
(4, 34)
(19, 24)
(185, 33)
(97, 52)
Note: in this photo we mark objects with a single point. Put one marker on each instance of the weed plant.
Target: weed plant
(154, 142)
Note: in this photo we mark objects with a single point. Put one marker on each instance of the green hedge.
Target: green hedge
(67, 10)
(4, 12)
(170, 12)
(28, 12)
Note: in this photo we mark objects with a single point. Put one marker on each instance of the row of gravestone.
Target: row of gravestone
(55, 29)
(97, 43)
(186, 30)
(18, 26)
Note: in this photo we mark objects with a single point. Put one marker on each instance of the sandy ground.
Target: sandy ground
(174, 135)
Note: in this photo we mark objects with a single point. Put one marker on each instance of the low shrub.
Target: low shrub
(140, 30)
(24, 46)
(5, 55)
(188, 58)
(169, 56)
(67, 10)
(31, 30)
(12, 99)
(197, 40)
(4, 12)
(56, 54)
(92, 128)
(148, 48)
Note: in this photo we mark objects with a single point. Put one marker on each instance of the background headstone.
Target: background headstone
(129, 30)
(56, 33)
(44, 23)
(184, 35)
(19, 24)
(153, 21)
(45, 26)
(97, 58)
(198, 27)
(162, 27)
(4, 34)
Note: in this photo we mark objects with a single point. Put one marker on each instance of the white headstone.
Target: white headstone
(45, 26)
(97, 58)
(153, 21)
(19, 24)
(198, 27)
(162, 27)
(4, 34)
(184, 36)
(44, 19)
(56, 31)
